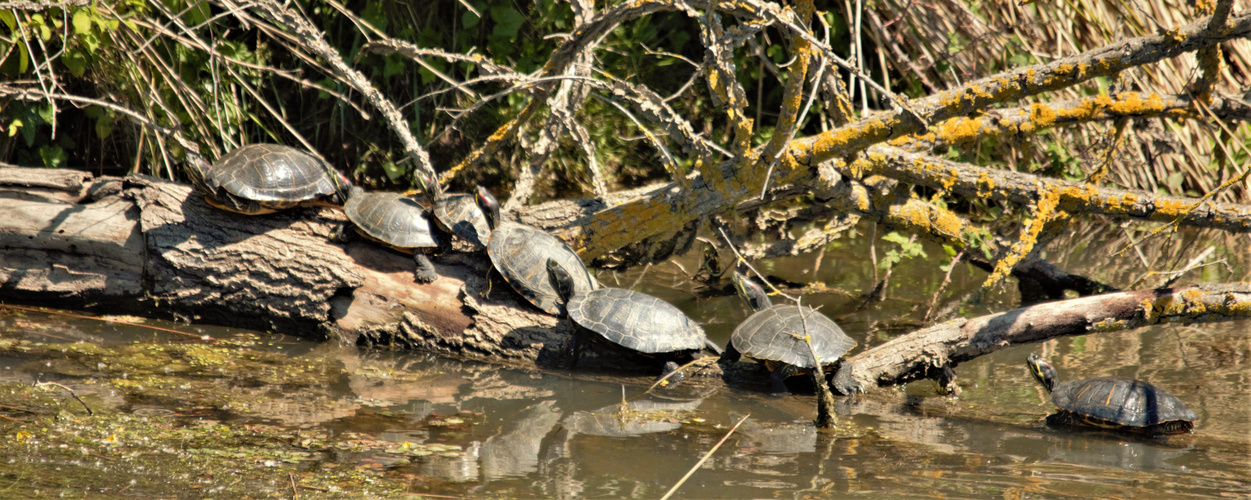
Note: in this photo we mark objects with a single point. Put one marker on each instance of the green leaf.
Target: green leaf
(52, 156)
(104, 126)
(393, 67)
(469, 19)
(392, 170)
(1175, 180)
(14, 126)
(507, 22)
(375, 16)
(47, 113)
(82, 21)
(75, 61)
(895, 237)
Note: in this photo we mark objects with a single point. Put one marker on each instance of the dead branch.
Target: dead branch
(924, 353)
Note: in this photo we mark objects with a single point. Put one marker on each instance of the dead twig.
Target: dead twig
(704, 459)
(70, 391)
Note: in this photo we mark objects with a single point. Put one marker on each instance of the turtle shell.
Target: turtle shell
(392, 218)
(520, 253)
(272, 173)
(636, 321)
(459, 214)
(776, 334)
(1121, 401)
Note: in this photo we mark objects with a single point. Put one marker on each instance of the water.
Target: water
(474, 430)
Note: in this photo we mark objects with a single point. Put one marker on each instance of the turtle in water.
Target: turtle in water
(775, 335)
(264, 178)
(633, 320)
(520, 254)
(1118, 403)
(399, 222)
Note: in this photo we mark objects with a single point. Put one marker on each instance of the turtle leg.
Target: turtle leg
(575, 347)
(424, 272)
(779, 375)
(947, 381)
(676, 378)
(731, 354)
(344, 233)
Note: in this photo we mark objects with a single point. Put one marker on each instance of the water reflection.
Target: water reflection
(475, 430)
(516, 452)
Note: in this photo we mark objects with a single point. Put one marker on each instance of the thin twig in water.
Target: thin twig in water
(295, 490)
(127, 323)
(67, 389)
(705, 459)
(946, 279)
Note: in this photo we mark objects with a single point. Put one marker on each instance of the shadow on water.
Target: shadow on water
(345, 422)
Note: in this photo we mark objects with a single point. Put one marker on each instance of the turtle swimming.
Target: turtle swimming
(1117, 403)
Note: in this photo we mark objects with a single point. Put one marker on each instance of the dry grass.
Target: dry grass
(969, 40)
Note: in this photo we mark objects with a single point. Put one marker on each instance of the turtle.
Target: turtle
(520, 254)
(774, 335)
(399, 222)
(456, 214)
(633, 320)
(1118, 403)
(264, 178)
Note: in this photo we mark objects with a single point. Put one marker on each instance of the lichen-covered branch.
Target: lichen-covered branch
(924, 353)
(729, 184)
(1025, 189)
(1023, 122)
(1012, 86)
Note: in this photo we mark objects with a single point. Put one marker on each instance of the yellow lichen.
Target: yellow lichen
(1045, 211)
(1109, 325)
(959, 130)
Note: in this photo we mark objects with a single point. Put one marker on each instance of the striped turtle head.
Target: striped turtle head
(1042, 371)
(428, 186)
(489, 205)
(751, 293)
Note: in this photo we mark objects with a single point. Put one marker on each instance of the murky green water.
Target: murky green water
(443, 427)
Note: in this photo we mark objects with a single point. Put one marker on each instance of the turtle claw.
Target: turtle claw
(424, 272)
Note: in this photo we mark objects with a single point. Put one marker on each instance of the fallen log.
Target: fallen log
(148, 247)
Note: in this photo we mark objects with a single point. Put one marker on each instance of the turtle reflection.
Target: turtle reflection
(781, 438)
(632, 418)
(516, 452)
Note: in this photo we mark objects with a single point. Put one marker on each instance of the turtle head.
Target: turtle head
(490, 207)
(561, 280)
(196, 168)
(343, 188)
(428, 186)
(751, 293)
(1042, 371)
